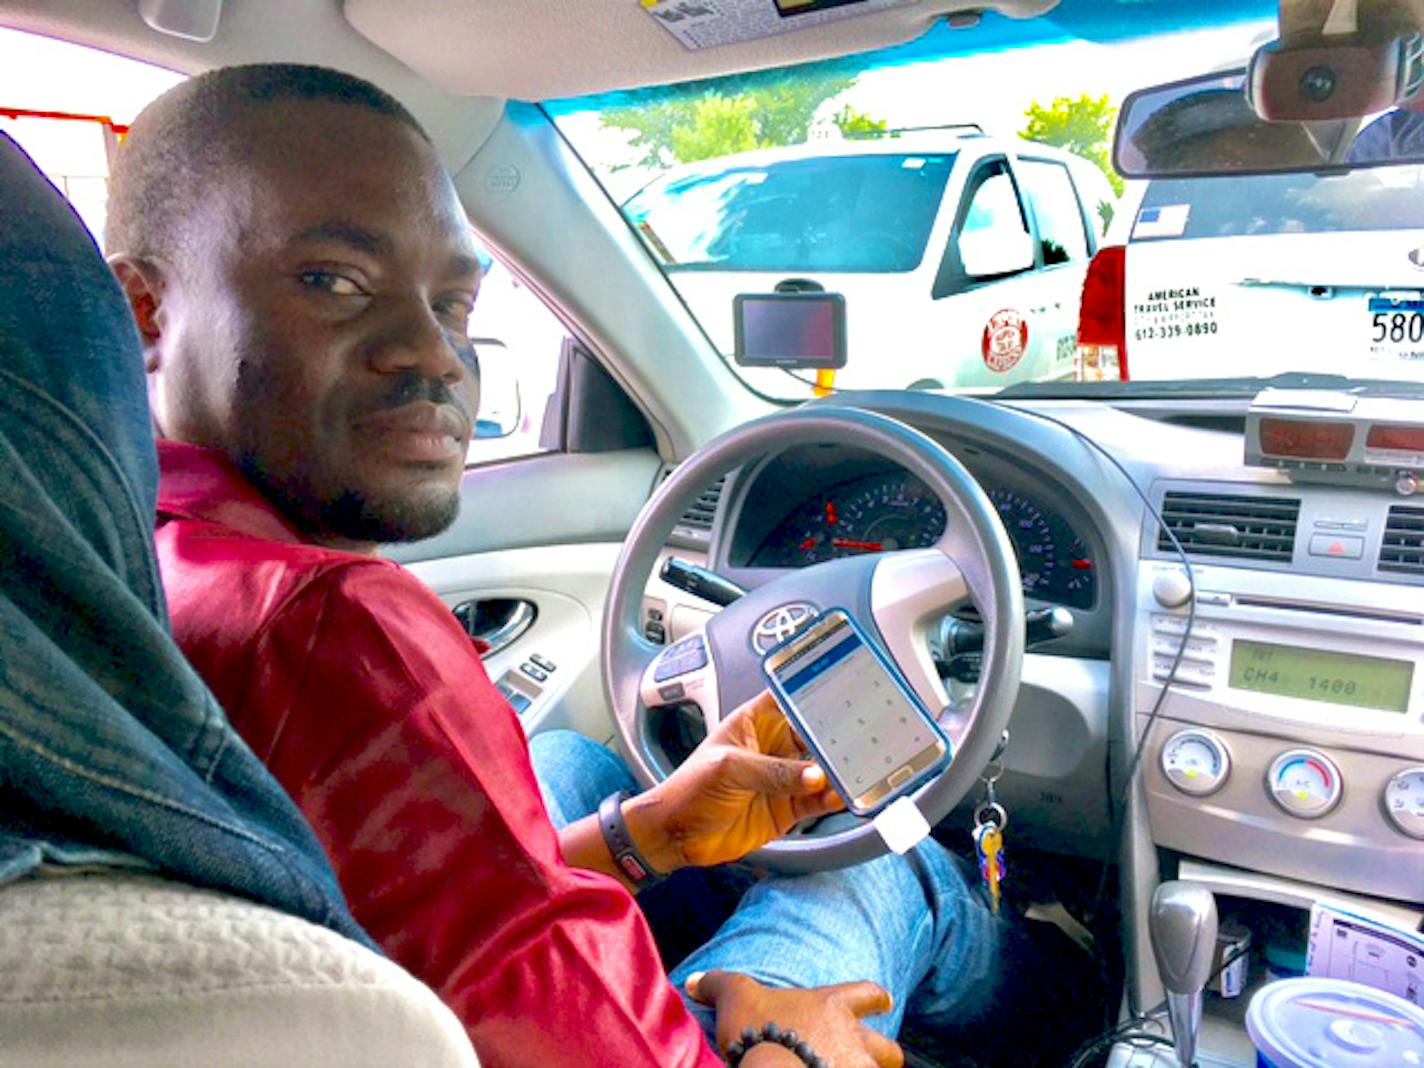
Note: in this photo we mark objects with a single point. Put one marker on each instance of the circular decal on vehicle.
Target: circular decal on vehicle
(1005, 340)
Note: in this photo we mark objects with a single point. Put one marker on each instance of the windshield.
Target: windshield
(954, 192)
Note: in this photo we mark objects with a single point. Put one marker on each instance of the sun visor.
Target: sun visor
(542, 49)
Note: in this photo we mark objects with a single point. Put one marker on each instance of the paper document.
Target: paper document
(709, 23)
(1346, 946)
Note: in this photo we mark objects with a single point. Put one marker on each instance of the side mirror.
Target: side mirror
(501, 406)
(986, 253)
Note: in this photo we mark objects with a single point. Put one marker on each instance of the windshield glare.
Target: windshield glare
(954, 192)
(869, 213)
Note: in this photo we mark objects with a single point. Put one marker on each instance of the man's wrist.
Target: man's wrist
(643, 816)
(770, 1055)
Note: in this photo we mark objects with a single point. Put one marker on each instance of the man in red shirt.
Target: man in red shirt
(301, 271)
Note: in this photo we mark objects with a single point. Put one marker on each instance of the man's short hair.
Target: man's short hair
(185, 138)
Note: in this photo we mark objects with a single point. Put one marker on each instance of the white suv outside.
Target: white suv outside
(960, 255)
(1202, 277)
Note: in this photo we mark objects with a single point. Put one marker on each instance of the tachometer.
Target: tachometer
(866, 515)
(890, 514)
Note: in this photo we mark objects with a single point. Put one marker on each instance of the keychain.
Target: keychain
(990, 819)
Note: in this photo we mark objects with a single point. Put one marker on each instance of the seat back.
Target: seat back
(126, 970)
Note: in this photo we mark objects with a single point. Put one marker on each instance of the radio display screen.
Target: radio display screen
(1320, 675)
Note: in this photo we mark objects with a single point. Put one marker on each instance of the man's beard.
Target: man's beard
(347, 512)
(350, 514)
(356, 517)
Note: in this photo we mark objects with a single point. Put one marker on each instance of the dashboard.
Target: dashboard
(1248, 640)
(1303, 571)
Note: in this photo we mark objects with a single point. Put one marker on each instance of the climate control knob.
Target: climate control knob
(1196, 762)
(1304, 782)
(1404, 801)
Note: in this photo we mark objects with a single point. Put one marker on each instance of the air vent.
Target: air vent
(704, 509)
(694, 529)
(1402, 549)
(1226, 525)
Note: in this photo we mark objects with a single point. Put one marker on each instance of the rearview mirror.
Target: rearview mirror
(1208, 126)
(501, 406)
(995, 251)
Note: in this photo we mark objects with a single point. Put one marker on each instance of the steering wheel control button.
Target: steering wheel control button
(543, 663)
(1196, 762)
(1305, 783)
(1404, 801)
(534, 672)
(681, 658)
(672, 693)
(1172, 588)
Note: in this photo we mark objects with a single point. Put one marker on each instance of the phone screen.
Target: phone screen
(865, 728)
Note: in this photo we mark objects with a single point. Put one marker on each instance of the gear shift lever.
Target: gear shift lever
(1182, 926)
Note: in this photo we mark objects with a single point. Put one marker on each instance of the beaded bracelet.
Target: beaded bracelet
(755, 1036)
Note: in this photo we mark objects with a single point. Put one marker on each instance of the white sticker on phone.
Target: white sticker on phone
(902, 825)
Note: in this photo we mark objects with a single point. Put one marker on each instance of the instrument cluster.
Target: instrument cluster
(895, 510)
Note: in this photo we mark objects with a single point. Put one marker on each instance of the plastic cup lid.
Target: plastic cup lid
(1334, 1023)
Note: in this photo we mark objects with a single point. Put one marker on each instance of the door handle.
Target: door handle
(498, 622)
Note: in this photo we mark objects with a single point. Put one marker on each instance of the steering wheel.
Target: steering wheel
(895, 597)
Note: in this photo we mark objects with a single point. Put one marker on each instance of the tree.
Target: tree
(719, 125)
(852, 123)
(1083, 126)
(726, 115)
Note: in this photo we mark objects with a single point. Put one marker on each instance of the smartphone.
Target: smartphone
(860, 719)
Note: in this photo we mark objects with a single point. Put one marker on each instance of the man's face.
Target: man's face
(315, 328)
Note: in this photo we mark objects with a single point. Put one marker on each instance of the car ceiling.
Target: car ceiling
(454, 62)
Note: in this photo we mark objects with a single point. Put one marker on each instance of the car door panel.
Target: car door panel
(544, 531)
(545, 499)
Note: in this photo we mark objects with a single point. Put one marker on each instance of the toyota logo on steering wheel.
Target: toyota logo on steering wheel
(780, 623)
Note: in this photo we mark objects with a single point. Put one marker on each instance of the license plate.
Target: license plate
(1397, 326)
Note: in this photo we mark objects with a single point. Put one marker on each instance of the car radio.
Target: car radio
(1299, 661)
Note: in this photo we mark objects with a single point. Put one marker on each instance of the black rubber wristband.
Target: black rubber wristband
(772, 1033)
(631, 863)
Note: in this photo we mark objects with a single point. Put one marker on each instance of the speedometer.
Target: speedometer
(1028, 530)
(1053, 560)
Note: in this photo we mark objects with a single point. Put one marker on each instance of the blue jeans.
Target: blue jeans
(111, 748)
(909, 923)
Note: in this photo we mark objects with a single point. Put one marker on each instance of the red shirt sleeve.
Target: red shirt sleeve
(368, 703)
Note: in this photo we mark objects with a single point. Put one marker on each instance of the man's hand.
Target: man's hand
(827, 1017)
(747, 784)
